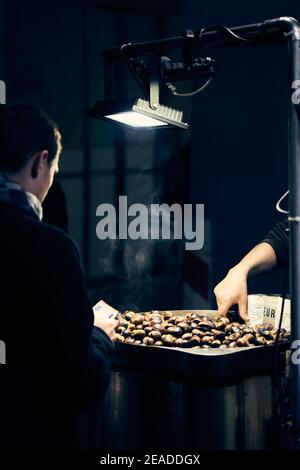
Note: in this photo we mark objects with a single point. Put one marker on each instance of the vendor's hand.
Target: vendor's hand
(233, 290)
(108, 325)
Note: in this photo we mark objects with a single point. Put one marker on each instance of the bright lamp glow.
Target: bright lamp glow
(137, 114)
(134, 119)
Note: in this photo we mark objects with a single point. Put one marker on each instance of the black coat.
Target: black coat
(57, 363)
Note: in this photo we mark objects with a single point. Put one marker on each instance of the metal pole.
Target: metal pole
(294, 220)
(267, 30)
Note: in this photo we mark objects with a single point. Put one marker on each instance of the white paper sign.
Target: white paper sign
(264, 309)
(105, 309)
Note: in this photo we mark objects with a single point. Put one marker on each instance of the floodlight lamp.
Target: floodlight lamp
(137, 114)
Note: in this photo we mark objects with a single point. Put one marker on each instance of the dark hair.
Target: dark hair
(24, 131)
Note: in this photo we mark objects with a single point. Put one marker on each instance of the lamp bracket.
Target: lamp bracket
(154, 69)
(189, 40)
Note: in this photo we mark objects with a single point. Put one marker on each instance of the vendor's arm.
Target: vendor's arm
(270, 254)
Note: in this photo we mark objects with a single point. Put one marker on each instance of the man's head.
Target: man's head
(30, 145)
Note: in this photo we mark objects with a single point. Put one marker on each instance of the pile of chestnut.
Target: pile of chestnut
(192, 331)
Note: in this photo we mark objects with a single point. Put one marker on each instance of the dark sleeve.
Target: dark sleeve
(85, 351)
(278, 238)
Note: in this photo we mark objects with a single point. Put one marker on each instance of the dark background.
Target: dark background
(233, 159)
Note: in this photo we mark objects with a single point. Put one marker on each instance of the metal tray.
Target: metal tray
(198, 363)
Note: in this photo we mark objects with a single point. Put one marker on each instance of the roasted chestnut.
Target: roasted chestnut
(155, 334)
(249, 338)
(169, 340)
(205, 325)
(137, 319)
(120, 329)
(148, 341)
(249, 331)
(220, 335)
(228, 329)
(259, 341)
(129, 340)
(184, 326)
(168, 315)
(180, 342)
(192, 316)
(158, 326)
(242, 342)
(266, 333)
(138, 334)
(120, 338)
(234, 336)
(156, 319)
(126, 333)
(207, 339)
(224, 320)
(196, 340)
(187, 336)
(128, 315)
(198, 332)
(175, 331)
